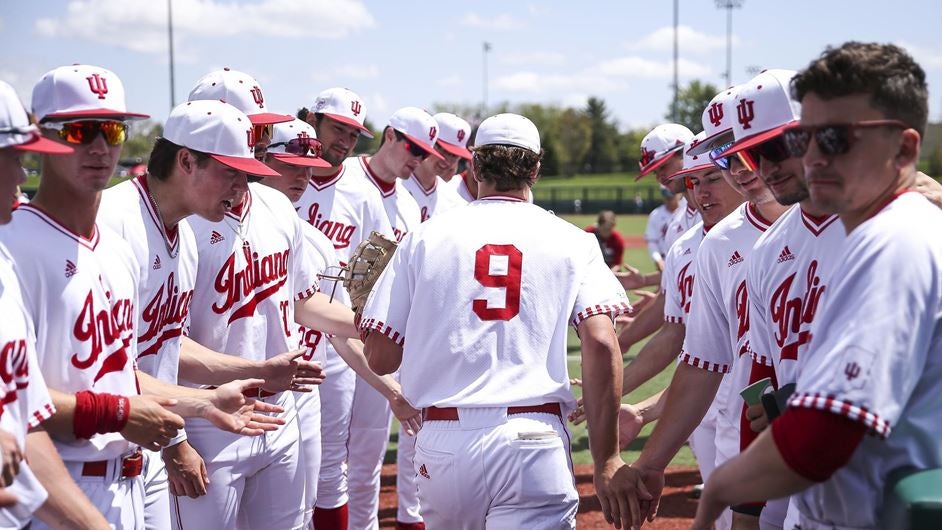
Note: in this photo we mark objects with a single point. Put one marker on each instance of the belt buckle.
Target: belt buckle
(133, 465)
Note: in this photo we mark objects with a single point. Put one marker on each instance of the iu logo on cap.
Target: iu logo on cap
(746, 113)
(716, 114)
(98, 85)
(258, 97)
(250, 137)
(432, 131)
(460, 135)
(355, 107)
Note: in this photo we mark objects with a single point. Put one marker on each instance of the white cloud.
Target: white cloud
(929, 59)
(690, 41)
(143, 23)
(451, 81)
(502, 22)
(638, 67)
(532, 58)
(554, 84)
(537, 10)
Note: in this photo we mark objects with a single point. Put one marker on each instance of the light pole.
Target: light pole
(173, 95)
(729, 5)
(676, 87)
(486, 48)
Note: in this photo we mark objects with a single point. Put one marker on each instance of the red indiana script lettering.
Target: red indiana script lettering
(164, 315)
(685, 286)
(260, 279)
(103, 330)
(790, 313)
(339, 233)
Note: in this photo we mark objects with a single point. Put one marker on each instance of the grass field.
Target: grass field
(627, 225)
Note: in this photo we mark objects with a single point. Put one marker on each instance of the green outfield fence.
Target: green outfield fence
(592, 199)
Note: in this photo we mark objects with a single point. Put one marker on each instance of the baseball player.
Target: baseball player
(661, 155)
(346, 209)
(427, 183)
(408, 139)
(26, 401)
(79, 287)
(149, 212)
(655, 231)
(716, 339)
(866, 371)
(610, 240)
(494, 448)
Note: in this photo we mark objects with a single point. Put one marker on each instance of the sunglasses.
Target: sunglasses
(83, 132)
(411, 147)
(263, 131)
(301, 146)
(725, 162)
(832, 140)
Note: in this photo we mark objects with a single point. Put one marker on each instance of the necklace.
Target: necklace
(239, 225)
(172, 250)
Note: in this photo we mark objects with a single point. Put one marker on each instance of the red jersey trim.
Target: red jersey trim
(427, 192)
(241, 211)
(889, 200)
(691, 212)
(320, 184)
(754, 217)
(817, 225)
(872, 421)
(41, 414)
(762, 359)
(674, 320)
(505, 198)
(144, 191)
(385, 189)
(612, 310)
(697, 362)
(372, 324)
(465, 175)
(90, 242)
(307, 293)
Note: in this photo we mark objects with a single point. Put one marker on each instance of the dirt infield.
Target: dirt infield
(676, 511)
(635, 242)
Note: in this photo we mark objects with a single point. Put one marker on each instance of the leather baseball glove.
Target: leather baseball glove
(366, 264)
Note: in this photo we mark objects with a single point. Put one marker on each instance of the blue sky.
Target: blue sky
(399, 53)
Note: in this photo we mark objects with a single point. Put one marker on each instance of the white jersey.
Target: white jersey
(718, 325)
(81, 295)
(323, 256)
(877, 358)
(655, 232)
(345, 208)
(440, 198)
(499, 337)
(683, 218)
(167, 271)
(677, 279)
(787, 281)
(460, 186)
(401, 209)
(253, 266)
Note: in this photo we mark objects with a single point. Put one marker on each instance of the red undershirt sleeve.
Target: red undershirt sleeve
(816, 443)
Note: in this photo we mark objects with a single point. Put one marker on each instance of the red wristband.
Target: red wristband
(99, 413)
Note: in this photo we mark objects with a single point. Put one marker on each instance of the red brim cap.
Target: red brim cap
(757, 139)
(351, 122)
(96, 114)
(249, 165)
(427, 149)
(687, 171)
(296, 160)
(456, 150)
(658, 163)
(268, 118)
(712, 141)
(40, 144)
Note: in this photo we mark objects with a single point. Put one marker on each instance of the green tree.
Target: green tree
(368, 146)
(140, 141)
(691, 100)
(602, 155)
(629, 149)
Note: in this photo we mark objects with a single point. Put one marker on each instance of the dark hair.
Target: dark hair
(509, 167)
(606, 216)
(895, 82)
(302, 113)
(163, 158)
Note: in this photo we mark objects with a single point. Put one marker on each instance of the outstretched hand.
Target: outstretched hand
(289, 371)
(231, 411)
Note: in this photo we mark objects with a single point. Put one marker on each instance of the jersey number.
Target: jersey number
(509, 280)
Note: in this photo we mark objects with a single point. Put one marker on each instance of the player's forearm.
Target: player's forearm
(383, 355)
(601, 361)
(757, 474)
(318, 312)
(61, 424)
(654, 357)
(649, 320)
(692, 392)
(191, 402)
(351, 351)
(203, 366)
(67, 507)
(651, 408)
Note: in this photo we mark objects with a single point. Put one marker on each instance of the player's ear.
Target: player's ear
(908, 151)
(186, 160)
(473, 168)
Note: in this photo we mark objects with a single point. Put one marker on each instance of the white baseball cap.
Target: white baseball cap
(81, 91)
(241, 91)
(508, 129)
(764, 109)
(453, 134)
(218, 129)
(694, 162)
(291, 138)
(717, 121)
(418, 126)
(17, 131)
(659, 145)
(343, 105)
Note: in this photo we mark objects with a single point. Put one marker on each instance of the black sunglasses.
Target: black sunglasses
(725, 162)
(774, 150)
(410, 146)
(301, 146)
(832, 139)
